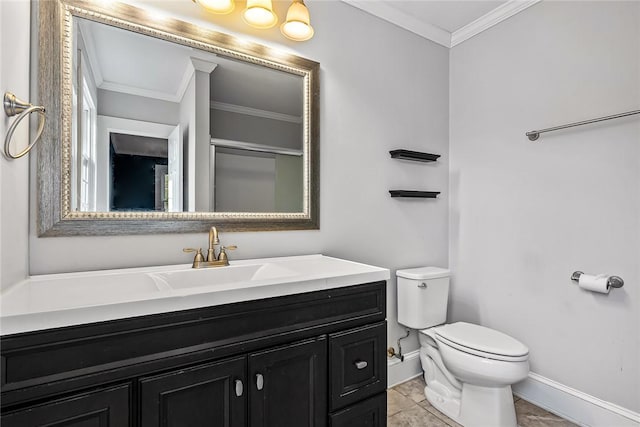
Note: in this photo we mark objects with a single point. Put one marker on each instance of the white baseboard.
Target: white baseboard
(571, 404)
(574, 405)
(399, 372)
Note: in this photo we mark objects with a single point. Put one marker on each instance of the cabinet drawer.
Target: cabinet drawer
(104, 408)
(369, 413)
(358, 364)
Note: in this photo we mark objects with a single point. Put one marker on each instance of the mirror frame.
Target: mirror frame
(55, 217)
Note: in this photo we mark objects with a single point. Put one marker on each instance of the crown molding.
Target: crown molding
(403, 20)
(241, 109)
(497, 15)
(437, 34)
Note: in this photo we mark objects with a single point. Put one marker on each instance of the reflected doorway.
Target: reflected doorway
(139, 173)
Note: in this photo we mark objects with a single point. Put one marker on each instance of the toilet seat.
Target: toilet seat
(481, 341)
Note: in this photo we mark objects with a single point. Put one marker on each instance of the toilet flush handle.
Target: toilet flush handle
(422, 285)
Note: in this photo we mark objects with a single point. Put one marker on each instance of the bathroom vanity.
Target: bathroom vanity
(300, 344)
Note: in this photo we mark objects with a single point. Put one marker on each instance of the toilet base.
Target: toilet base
(448, 405)
(478, 407)
(487, 406)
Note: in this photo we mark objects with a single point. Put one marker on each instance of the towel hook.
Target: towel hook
(12, 107)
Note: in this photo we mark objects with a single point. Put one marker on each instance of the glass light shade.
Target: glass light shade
(217, 6)
(259, 14)
(297, 26)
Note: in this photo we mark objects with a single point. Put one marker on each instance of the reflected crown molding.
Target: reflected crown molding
(203, 65)
(199, 61)
(241, 109)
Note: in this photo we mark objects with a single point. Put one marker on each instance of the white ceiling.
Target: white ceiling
(447, 22)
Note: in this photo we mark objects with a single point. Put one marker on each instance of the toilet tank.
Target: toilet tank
(423, 294)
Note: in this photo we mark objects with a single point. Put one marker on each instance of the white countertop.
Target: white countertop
(58, 300)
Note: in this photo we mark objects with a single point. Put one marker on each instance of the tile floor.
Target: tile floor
(407, 407)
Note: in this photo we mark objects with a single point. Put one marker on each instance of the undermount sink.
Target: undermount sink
(193, 278)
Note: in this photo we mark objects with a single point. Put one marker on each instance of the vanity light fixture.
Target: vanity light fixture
(259, 14)
(221, 7)
(297, 26)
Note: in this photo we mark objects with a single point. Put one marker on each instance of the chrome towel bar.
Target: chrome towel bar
(535, 134)
(12, 107)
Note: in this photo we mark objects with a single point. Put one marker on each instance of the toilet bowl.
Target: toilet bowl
(483, 372)
(468, 369)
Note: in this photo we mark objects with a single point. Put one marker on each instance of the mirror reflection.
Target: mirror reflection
(158, 126)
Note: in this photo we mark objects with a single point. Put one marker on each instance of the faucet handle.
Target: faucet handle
(198, 258)
(222, 256)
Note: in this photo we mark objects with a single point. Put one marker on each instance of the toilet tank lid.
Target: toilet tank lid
(422, 273)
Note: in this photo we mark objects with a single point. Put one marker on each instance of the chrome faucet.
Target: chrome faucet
(212, 260)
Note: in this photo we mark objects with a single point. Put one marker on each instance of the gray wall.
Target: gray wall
(381, 88)
(254, 177)
(289, 190)
(525, 215)
(267, 182)
(14, 174)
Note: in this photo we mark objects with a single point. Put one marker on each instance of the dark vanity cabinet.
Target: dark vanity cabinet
(312, 359)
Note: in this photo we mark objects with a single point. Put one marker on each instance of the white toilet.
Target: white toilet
(468, 368)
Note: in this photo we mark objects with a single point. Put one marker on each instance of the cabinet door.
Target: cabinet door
(211, 395)
(102, 408)
(289, 385)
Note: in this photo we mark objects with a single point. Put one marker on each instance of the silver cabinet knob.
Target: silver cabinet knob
(239, 388)
(361, 364)
(259, 382)
(422, 285)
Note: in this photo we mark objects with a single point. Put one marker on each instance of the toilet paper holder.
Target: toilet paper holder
(612, 281)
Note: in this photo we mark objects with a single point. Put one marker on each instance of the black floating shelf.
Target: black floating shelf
(416, 156)
(415, 194)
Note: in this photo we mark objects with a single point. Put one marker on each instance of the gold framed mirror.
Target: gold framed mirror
(122, 156)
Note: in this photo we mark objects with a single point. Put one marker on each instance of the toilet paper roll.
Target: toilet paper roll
(597, 283)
